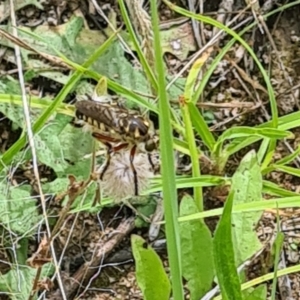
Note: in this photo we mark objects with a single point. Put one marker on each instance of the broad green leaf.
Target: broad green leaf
(196, 251)
(77, 147)
(65, 149)
(257, 293)
(18, 210)
(56, 186)
(22, 251)
(247, 187)
(18, 282)
(76, 44)
(151, 276)
(48, 144)
(224, 257)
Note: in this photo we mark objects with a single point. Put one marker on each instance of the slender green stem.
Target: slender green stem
(190, 137)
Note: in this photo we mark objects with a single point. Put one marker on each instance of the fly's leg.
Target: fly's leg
(110, 150)
(104, 138)
(107, 162)
(135, 179)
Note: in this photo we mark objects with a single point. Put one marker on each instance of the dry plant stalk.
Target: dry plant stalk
(42, 255)
(142, 25)
(54, 59)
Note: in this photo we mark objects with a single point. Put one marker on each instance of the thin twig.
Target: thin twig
(32, 144)
(195, 24)
(123, 43)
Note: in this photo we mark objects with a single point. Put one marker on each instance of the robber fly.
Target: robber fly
(118, 128)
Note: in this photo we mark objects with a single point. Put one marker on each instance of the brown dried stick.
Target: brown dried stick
(87, 270)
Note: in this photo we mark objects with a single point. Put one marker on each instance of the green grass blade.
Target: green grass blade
(190, 138)
(167, 166)
(289, 158)
(243, 131)
(287, 202)
(289, 170)
(39, 103)
(273, 189)
(263, 149)
(189, 131)
(201, 127)
(269, 153)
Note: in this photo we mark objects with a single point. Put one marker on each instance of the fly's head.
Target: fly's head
(152, 143)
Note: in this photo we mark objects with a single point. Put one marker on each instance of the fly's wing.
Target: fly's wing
(102, 116)
(86, 110)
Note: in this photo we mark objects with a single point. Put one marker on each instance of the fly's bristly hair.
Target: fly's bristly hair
(119, 182)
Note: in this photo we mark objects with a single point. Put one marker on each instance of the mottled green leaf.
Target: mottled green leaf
(196, 251)
(18, 210)
(247, 187)
(18, 282)
(151, 276)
